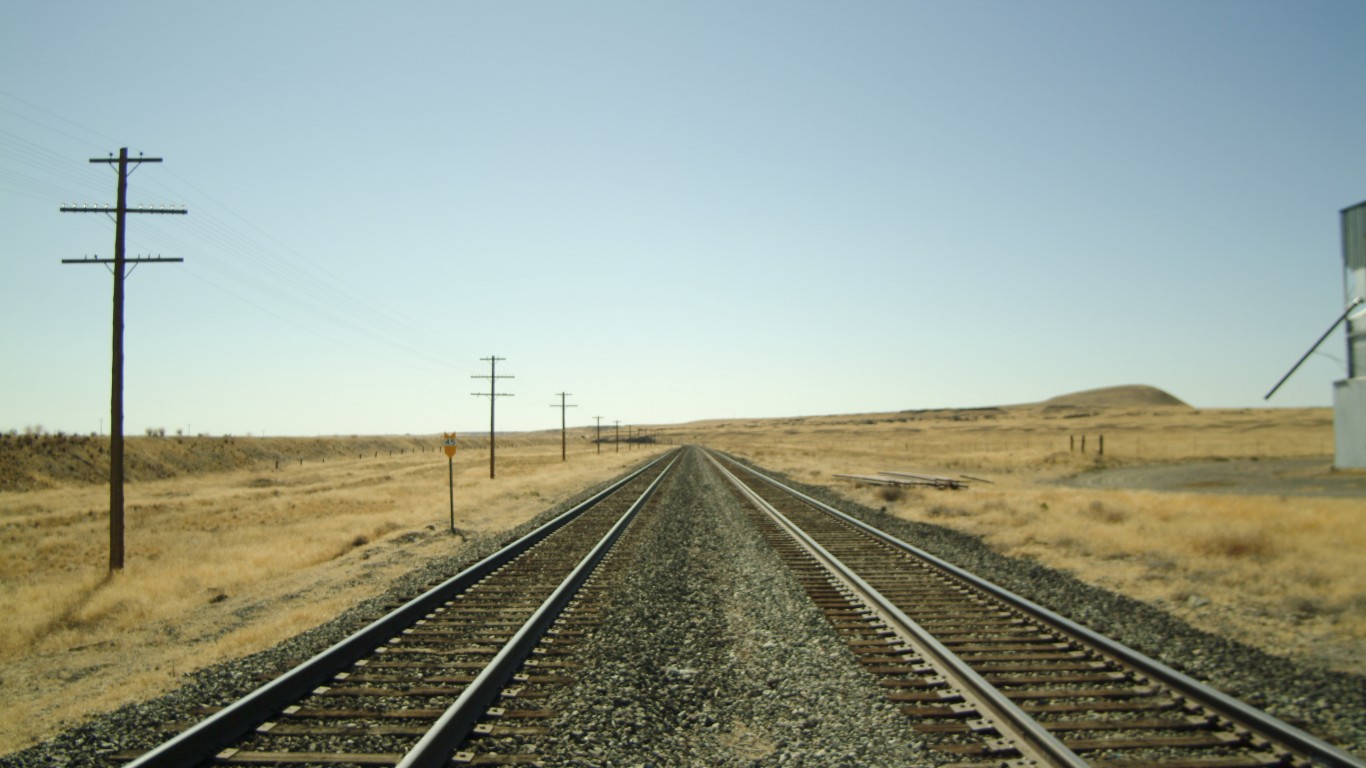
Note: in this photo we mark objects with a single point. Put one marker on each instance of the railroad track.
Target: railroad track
(995, 678)
(414, 687)
(471, 672)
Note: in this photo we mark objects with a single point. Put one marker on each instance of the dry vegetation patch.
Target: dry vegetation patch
(224, 563)
(1277, 569)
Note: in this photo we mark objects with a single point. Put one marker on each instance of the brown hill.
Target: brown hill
(1129, 396)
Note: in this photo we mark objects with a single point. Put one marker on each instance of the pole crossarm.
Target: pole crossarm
(115, 209)
(157, 260)
(124, 158)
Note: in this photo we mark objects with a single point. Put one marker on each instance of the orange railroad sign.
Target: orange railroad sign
(448, 444)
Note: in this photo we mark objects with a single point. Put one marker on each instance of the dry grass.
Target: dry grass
(1268, 558)
(1279, 572)
(219, 564)
(238, 555)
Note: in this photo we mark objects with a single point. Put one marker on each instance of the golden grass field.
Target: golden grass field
(228, 554)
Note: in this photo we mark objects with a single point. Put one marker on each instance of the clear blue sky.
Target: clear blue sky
(671, 211)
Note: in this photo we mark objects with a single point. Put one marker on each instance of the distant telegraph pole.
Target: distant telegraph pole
(564, 454)
(599, 438)
(493, 394)
(120, 210)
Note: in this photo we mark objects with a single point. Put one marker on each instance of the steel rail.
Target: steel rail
(204, 739)
(435, 748)
(1239, 712)
(1034, 742)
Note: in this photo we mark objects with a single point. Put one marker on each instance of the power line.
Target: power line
(564, 456)
(493, 394)
(119, 262)
(230, 247)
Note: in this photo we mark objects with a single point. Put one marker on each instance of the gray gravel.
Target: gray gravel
(714, 656)
(711, 654)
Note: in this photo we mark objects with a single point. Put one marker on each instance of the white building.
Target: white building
(1349, 395)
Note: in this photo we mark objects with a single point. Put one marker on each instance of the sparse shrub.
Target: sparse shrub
(1098, 511)
(890, 493)
(1302, 607)
(1235, 544)
(1069, 544)
(360, 541)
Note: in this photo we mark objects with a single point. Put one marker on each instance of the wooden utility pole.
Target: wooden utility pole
(120, 210)
(564, 454)
(599, 438)
(616, 438)
(493, 394)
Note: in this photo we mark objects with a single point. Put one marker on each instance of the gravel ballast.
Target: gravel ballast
(712, 655)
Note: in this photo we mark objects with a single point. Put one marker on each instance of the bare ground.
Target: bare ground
(1266, 477)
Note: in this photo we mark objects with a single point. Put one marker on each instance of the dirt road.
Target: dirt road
(1264, 477)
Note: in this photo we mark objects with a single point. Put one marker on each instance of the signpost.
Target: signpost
(448, 445)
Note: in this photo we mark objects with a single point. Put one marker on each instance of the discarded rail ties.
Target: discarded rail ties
(941, 482)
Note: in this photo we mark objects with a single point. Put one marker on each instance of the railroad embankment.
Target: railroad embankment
(37, 460)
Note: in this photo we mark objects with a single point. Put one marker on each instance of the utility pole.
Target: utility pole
(616, 438)
(493, 394)
(564, 456)
(599, 440)
(120, 210)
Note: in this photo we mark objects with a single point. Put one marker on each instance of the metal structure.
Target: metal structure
(1349, 394)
